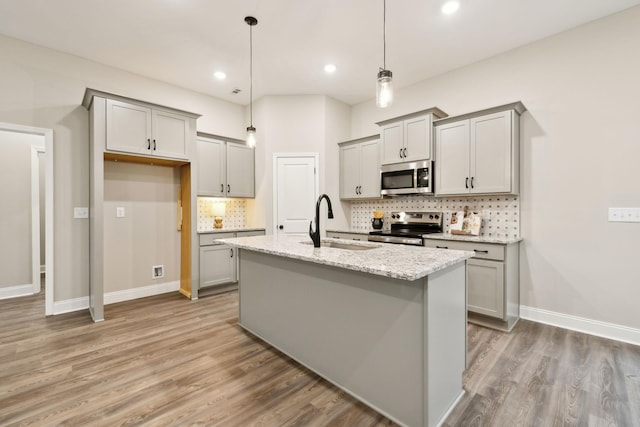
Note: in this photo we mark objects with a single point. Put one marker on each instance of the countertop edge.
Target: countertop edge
(230, 230)
(445, 236)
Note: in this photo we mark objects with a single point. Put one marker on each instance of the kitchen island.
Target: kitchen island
(386, 323)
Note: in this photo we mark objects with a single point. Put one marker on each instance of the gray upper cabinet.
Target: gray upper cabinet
(211, 167)
(478, 153)
(225, 169)
(240, 170)
(142, 130)
(360, 168)
(408, 138)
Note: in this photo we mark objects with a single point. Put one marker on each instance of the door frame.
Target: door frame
(274, 198)
(47, 134)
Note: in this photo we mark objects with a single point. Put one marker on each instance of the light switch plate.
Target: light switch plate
(120, 212)
(624, 214)
(81, 213)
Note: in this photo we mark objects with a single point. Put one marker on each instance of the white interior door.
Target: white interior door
(296, 191)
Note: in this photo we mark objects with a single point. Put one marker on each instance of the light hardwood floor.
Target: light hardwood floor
(168, 361)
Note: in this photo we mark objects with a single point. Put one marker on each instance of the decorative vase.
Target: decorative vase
(377, 223)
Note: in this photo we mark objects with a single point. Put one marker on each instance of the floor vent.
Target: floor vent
(157, 271)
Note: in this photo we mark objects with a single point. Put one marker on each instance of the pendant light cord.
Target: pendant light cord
(384, 34)
(251, 74)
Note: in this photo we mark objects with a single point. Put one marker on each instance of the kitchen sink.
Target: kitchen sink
(347, 246)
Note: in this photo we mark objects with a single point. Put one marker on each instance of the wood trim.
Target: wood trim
(185, 238)
(153, 161)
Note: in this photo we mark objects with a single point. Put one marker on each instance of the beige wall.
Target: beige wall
(44, 88)
(580, 151)
(295, 124)
(147, 236)
(15, 208)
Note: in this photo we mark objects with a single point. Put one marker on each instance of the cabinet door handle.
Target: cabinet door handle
(400, 153)
(404, 152)
(466, 182)
(231, 252)
(228, 188)
(154, 145)
(222, 188)
(442, 247)
(472, 181)
(480, 252)
(148, 144)
(281, 227)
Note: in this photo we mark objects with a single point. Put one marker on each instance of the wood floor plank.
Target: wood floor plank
(168, 361)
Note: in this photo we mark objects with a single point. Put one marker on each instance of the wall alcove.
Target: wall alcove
(134, 132)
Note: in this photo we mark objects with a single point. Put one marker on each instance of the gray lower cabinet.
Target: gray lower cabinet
(493, 283)
(219, 262)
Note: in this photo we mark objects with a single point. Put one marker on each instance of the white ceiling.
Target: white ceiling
(184, 41)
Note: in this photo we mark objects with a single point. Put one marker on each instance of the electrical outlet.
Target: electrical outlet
(81, 213)
(624, 214)
(120, 212)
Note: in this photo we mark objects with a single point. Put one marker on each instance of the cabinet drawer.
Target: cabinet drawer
(210, 239)
(482, 250)
(250, 233)
(347, 236)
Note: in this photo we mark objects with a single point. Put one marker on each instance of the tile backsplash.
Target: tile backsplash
(500, 214)
(234, 216)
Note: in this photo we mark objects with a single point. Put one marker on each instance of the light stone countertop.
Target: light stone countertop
(396, 261)
(473, 239)
(228, 230)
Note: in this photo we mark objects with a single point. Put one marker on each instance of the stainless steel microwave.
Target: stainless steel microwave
(407, 178)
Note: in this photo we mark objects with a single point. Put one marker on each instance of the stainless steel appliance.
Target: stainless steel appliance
(408, 228)
(407, 178)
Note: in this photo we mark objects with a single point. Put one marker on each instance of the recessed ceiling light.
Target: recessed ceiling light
(220, 75)
(450, 7)
(330, 68)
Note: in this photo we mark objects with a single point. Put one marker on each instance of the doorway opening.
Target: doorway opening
(40, 145)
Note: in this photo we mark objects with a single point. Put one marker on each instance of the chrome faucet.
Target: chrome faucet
(315, 235)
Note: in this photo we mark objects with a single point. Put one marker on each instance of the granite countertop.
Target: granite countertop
(229, 230)
(397, 261)
(473, 239)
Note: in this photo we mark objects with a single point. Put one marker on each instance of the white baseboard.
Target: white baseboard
(16, 291)
(77, 304)
(145, 291)
(69, 305)
(581, 324)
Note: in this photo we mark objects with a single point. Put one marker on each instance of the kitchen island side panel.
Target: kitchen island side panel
(365, 333)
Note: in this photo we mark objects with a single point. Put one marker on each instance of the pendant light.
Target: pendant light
(384, 86)
(251, 131)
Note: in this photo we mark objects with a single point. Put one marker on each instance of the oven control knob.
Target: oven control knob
(430, 216)
(393, 216)
(437, 216)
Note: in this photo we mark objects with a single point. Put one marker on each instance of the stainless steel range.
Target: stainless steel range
(408, 228)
